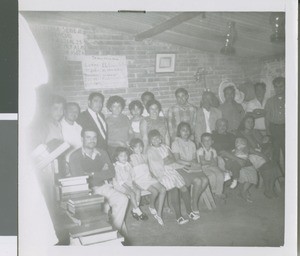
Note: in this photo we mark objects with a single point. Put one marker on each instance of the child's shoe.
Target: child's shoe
(233, 184)
(182, 221)
(194, 216)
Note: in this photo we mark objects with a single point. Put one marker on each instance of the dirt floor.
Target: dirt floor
(234, 223)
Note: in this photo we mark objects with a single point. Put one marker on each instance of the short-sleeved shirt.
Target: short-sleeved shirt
(207, 153)
(255, 104)
(186, 149)
(71, 133)
(118, 129)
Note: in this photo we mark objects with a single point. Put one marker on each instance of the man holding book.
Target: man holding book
(89, 160)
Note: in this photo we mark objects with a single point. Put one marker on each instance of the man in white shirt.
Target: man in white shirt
(71, 130)
(257, 105)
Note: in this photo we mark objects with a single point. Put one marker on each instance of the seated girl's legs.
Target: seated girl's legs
(154, 193)
(186, 198)
(137, 192)
(175, 201)
(132, 196)
(161, 197)
(199, 185)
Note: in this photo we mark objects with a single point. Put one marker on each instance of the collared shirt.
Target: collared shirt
(94, 154)
(255, 104)
(275, 110)
(177, 114)
(71, 133)
(95, 116)
(206, 115)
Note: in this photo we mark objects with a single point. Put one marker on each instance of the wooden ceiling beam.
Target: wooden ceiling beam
(168, 24)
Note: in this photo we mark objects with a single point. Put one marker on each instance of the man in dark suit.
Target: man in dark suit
(93, 118)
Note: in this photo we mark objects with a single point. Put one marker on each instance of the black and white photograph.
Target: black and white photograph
(154, 129)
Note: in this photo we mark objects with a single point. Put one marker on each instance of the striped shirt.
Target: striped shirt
(177, 114)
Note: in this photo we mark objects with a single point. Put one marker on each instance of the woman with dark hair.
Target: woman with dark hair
(136, 109)
(154, 122)
(118, 124)
(259, 148)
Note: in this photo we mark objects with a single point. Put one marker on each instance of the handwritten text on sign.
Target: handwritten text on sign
(104, 72)
(66, 41)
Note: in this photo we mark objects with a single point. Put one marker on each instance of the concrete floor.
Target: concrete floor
(236, 223)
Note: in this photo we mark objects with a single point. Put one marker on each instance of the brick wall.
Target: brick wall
(66, 76)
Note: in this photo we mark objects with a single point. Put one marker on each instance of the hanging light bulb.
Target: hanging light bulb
(277, 21)
(230, 38)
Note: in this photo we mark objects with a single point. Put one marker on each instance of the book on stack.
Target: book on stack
(86, 209)
(73, 187)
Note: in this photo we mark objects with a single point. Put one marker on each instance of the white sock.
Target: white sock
(137, 211)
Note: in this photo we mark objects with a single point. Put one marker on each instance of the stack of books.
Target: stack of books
(72, 188)
(101, 233)
(86, 210)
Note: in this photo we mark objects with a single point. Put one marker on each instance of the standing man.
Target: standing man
(89, 160)
(182, 111)
(206, 117)
(275, 118)
(93, 118)
(257, 107)
(232, 111)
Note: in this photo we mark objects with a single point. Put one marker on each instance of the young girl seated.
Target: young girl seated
(136, 109)
(184, 151)
(160, 162)
(142, 177)
(118, 125)
(124, 184)
(207, 156)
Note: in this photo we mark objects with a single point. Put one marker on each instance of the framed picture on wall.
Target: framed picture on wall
(165, 62)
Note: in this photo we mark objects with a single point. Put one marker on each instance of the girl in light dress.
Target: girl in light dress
(162, 164)
(123, 182)
(142, 177)
(184, 151)
(136, 109)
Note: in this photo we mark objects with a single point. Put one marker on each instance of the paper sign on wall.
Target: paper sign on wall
(104, 72)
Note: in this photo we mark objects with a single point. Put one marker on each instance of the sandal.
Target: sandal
(159, 220)
(182, 221)
(143, 216)
(135, 215)
(194, 216)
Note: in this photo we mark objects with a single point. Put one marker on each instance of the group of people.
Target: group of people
(177, 155)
